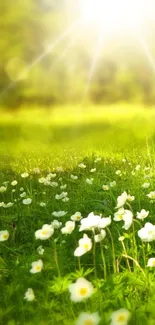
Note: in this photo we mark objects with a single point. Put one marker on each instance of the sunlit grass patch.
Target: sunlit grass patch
(77, 218)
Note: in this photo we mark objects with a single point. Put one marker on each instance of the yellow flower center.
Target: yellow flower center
(121, 318)
(44, 232)
(120, 216)
(153, 263)
(78, 217)
(86, 246)
(5, 236)
(88, 322)
(38, 267)
(83, 291)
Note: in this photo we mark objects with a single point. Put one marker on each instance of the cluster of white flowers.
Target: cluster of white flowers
(94, 221)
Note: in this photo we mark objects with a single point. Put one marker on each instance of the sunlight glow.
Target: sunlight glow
(111, 15)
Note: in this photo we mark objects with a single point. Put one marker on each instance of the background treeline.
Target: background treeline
(28, 28)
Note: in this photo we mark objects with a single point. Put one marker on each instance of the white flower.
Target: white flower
(40, 250)
(121, 200)
(63, 187)
(13, 191)
(29, 295)
(23, 194)
(88, 319)
(151, 262)
(97, 159)
(130, 198)
(138, 167)
(98, 238)
(82, 166)
(142, 214)
(126, 216)
(74, 177)
(91, 222)
(51, 175)
(93, 170)
(47, 182)
(113, 184)
(54, 184)
(3, 189)
(147, 233)
(4, 235)
(118, 172)
(2, 204)
(36, 266)
(124, 160)
(85, 245)
(61, 196)
(120, 317)
(104, 222)
(59, 213)
(27, 201)
(42, 204)
(146, 185)
(8, 205)
(45, 232)
(69, 227)
(76, 216)
(81, 290)
(41, 180)
(14, 183)
(66, 199)
(6, 183)
(105, 187)
(151, 195)
(24, 175)
(36, 170)
(56, 224)
(89, 181)
(118, 216)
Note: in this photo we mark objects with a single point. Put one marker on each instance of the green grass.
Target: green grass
(66, 137)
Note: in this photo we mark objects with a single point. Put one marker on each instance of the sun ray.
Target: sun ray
(46, 52)
(68, 47)
(52, 45)
(95, 60)
(146, 51)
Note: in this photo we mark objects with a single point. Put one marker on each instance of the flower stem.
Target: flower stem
(103, 260)
(113, 250)
(56, 259)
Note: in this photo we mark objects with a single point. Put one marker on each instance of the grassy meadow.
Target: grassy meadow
(57, 167)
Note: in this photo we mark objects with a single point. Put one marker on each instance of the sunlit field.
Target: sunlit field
(77, 228)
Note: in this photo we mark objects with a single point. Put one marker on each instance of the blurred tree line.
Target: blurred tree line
(32, 71)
